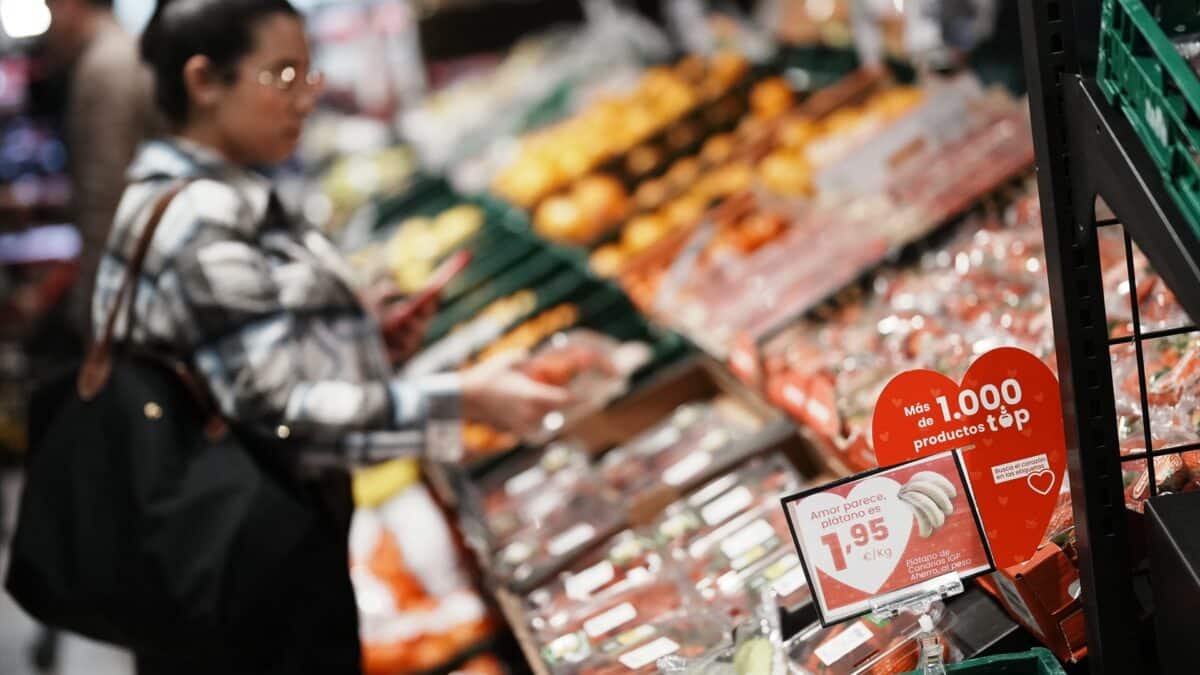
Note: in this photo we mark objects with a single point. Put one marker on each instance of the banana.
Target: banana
(937, 479)
(933, 491)
(935, 515)
(924, 528)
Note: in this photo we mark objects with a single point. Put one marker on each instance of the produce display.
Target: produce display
(411, 254)
(942, 312)
(717, 502)
(466, 129)
(554, 158)
(637, 650)
(802, 228)
(714, 549)
(543, 508)
(353, 180)
(626, 560)
(513, 296)
(590, 630)
(724, 562)
(821, 242)
(674, 451)
(765, 150)
(594, 369)
(538, 509)
(983, 289)
(846, 230)
(862, 647)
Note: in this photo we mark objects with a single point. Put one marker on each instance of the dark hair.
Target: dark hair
(222, 30)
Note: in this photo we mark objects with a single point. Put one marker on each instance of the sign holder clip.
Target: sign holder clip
(918, 601)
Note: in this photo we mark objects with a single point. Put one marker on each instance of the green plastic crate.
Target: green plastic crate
(1140, 72)
(1037, 661)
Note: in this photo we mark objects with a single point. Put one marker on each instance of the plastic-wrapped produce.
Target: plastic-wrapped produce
(638, 649)
(866, 646)
(626, 560)
(581, 634)
(983, 289)
(528, 490)
(540, 509)
(417, 607)
(537, 550)
(758, 647)
(712, 505)
(593, 367)
(674, 451)
(721, 562)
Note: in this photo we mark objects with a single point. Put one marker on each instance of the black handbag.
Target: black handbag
(144, 522)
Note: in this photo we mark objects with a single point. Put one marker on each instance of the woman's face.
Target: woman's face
(261, 113)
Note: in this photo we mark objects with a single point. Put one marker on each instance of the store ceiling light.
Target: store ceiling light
(24, 18)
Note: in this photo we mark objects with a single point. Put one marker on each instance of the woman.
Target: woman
(262, 309)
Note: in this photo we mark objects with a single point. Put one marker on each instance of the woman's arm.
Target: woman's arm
(248, 322)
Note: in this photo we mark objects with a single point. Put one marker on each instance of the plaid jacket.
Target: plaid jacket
(264, 310)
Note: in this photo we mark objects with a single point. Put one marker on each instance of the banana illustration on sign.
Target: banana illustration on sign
(931, 498)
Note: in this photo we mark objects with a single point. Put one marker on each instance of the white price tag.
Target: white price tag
(845, 642)
(649, 653)
(525, 481)
(607, 621)
(754, 534)
(726, 506)
(571, 539)
(713, 490)
(581, 585)
(687, 468)
(790, 582)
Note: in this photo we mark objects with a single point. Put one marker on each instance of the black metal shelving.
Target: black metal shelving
(1087, 149)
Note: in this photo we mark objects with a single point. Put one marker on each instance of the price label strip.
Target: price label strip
(876, 535)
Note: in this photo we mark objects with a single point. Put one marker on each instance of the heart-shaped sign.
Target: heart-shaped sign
(1010, 426)
(855, 568)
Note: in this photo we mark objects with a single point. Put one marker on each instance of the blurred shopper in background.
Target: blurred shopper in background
(109, 112)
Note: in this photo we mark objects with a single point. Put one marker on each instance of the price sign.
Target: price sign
(1007, 419)
(875, 535)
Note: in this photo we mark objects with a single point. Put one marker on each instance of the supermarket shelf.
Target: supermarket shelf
(510, 607)
(1059, 44)
(1121, 172)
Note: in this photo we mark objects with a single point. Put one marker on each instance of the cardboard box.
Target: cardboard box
(1043, 596)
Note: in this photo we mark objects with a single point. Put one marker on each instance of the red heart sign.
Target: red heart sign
(1011, 429)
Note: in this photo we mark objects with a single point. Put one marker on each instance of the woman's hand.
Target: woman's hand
(495, 393)
(384, 301)
(379, 295)
(406, 338)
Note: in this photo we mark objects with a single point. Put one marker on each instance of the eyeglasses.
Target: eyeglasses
(287, 79)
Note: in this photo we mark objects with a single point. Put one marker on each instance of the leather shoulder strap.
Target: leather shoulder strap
(97, 366)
